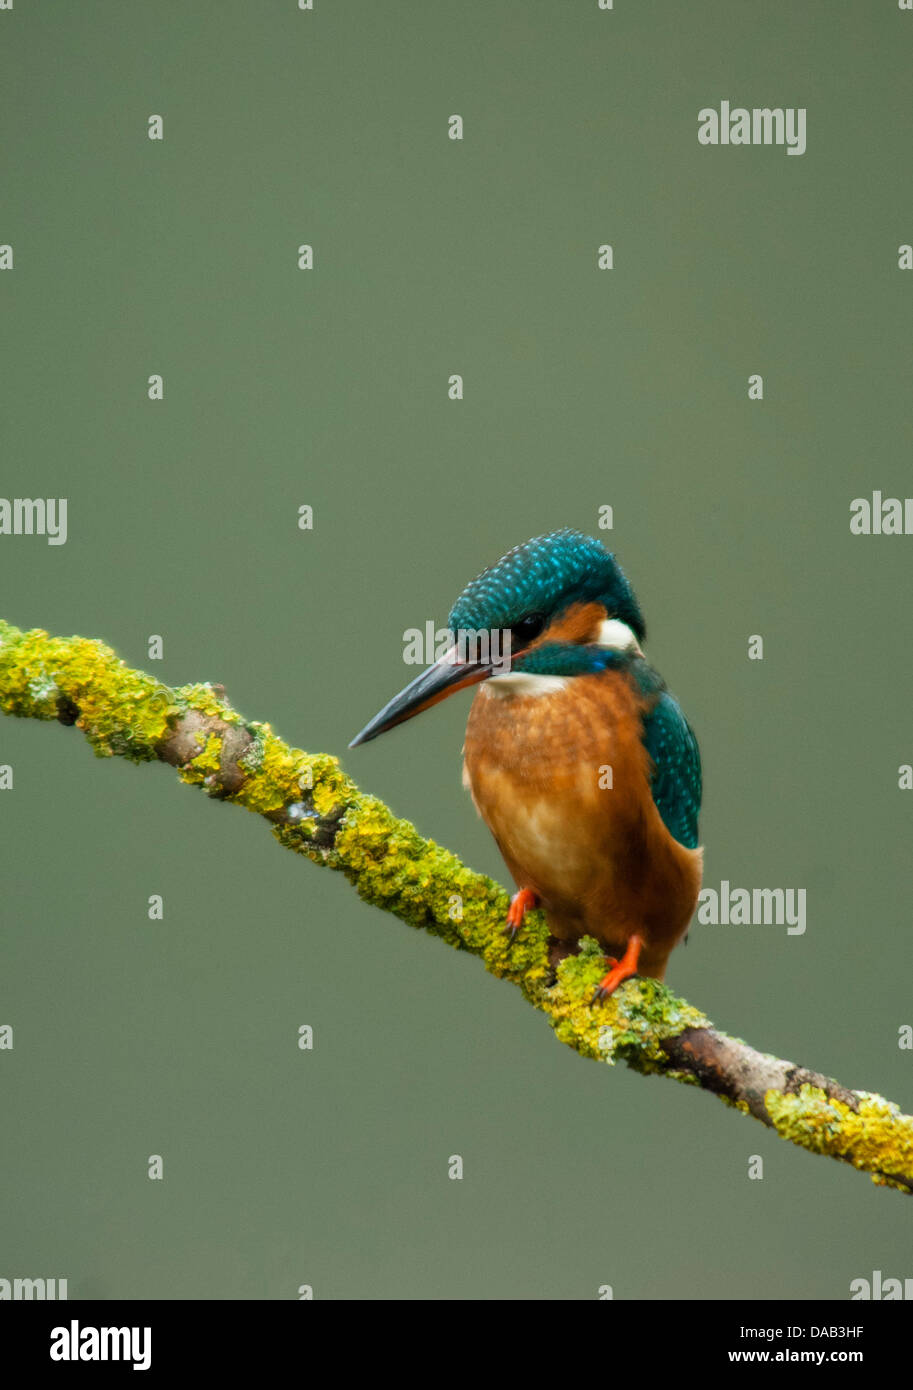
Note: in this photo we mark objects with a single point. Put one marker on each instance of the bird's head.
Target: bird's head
(550, 607)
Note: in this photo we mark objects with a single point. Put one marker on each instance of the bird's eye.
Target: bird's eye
(528, 628)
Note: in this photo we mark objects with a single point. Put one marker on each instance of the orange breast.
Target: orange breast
(563, 782)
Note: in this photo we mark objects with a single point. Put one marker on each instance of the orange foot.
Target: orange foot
(520, 904)
(621, 970)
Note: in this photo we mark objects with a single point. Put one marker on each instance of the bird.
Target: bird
(577, 757)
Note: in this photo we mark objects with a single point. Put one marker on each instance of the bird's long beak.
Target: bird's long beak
(435, 683)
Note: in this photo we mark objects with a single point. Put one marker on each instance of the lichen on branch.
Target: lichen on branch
(316, 810)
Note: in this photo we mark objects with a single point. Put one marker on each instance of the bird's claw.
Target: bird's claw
(621, 970)
(520, 904)
(609, 984)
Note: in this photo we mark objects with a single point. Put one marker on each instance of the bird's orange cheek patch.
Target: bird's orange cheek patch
(579, 623)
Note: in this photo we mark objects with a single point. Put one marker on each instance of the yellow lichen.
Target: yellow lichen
(205, 700)
(121, 711)
(274, 773)
(206, 764)
(637, 1018)
(877, 1138)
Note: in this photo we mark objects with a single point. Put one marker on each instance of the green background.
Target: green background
(329, 387)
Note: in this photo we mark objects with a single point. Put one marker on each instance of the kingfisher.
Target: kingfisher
(577, 757)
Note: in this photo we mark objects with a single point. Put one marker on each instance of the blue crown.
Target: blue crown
(546, 575)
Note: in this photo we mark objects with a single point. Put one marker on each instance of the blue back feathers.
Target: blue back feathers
(670, 741)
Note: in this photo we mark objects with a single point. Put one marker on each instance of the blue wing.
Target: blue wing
(676, 782)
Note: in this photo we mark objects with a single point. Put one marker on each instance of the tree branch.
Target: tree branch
(317, 811)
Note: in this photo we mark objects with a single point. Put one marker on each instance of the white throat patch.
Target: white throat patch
(514, 683)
